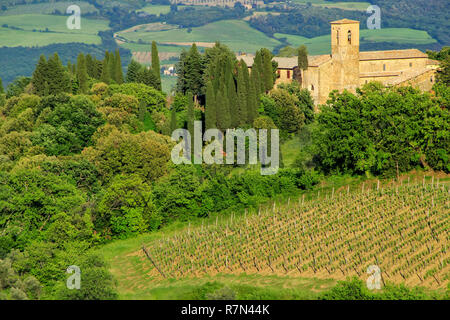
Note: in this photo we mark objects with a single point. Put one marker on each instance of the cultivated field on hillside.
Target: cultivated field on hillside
(41, 30)
(236, 34)
(403, 228)
(156, 9)
(340, 5)
(49, 8)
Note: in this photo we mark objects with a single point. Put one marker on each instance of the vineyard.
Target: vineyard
(402, 227)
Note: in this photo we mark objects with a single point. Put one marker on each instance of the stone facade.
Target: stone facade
(346, 68)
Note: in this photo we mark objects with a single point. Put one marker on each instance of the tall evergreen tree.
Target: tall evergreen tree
(105, 76)
(39, 76)
(82, 75)
(69, 66)
(2, 90)
(252, 107)
(210, 107)
(155, 65)
(223, 114)
(258, 74)
(173, 120)
(242, 94)
(111, 66)
(193, 71)
(118, 73)
(267, 69)
(190, 117)
(57, 77)
(232, 101)
(303, 57)
(133, 71)
(90, 67)
(148, 77)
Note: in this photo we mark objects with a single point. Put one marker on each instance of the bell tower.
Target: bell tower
(345, 54)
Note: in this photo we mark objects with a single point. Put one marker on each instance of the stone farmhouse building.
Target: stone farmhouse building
(348, 68)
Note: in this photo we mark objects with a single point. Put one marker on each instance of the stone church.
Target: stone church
(348, 68)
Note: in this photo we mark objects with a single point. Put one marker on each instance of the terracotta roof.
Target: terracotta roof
(379, 74)
(408, 75)
(286, 63)
(289, 62)
(315, 61)
(391, 54)
(344, 21)
(432, 62)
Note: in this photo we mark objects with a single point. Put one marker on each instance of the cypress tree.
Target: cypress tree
(210, 107)
(105, 76)
(2, 90)
(302, 60)
(148, 77)
(242, 95)
(252, 108)
(90, 68)
(69, 66)
(232, 101)
(118, 74)
(257, 73)
(57, 77)
(133, 71)
(303, 57)
(111, 67)
(173, 120)
(82, 75)
(267, 69)
(191, 119)
(155, 65)
(223, 109)
(39, 75)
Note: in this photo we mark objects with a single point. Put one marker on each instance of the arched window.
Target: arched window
(312, 87)
(384, 67)
(349, 35)
(337, 37)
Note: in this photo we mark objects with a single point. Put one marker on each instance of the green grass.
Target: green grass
(156, 9)
(361, 6)
(317, 45)
(55, 24)
(48, 8)
(136, 47)
(236, 34)
(134, 283)
(321, 45)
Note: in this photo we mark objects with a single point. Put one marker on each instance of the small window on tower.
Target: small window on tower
(431, 79)
(349, 36)
(312, 87)
(410, 64)
(384, 67)
(337, 37)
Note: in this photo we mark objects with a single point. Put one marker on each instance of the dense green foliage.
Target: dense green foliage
(383, 131)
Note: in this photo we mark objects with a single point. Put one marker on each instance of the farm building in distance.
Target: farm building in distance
(348, 68)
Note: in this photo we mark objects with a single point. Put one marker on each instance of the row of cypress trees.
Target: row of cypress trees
(51, 77)
(232, 92)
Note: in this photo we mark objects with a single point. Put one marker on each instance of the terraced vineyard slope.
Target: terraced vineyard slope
(403, 228)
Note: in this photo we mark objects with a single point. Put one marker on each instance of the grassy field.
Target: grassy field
(57, 30)
(236, 34)
(321, 45)
(340, 5)
(156, 9)
(48, 8)
(297, 249)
